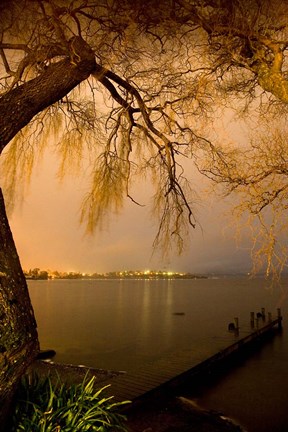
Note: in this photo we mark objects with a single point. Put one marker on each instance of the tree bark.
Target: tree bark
(22, 103)
(18, 332)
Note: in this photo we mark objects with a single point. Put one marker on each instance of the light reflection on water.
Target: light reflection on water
(119, 324)
(122, 324)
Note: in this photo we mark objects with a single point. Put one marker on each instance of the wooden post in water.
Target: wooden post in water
(269, 317)
(252, 319)
(279, 318)
(263, 314)
(236, 320)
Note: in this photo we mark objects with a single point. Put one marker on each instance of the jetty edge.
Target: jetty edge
(150, 389)
(173, 371)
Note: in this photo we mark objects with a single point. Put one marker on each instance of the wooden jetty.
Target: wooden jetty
(171, 371)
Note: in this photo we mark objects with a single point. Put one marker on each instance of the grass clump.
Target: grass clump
(43, 406)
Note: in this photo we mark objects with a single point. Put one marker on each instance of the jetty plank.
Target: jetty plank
(177, 367)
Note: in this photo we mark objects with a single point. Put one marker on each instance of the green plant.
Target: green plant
(44, 406)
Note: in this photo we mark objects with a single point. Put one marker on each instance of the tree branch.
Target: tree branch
(22, 103)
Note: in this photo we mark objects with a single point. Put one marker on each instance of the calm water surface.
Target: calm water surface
(123, 324)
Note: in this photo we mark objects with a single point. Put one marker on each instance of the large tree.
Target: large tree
(136, 88)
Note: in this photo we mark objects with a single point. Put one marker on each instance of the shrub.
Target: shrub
(44, 406)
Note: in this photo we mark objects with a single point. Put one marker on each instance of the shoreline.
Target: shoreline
(155, 413)
(70, 373)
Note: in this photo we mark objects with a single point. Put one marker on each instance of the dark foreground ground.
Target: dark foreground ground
(158, 413)
(177, 415)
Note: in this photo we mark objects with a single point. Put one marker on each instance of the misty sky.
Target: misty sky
(48, 235)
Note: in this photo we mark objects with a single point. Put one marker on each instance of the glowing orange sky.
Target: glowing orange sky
(48, 235)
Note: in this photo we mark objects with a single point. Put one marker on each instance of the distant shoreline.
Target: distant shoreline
(118, 278)
(38, 274)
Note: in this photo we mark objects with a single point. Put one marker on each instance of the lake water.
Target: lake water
(124, 324)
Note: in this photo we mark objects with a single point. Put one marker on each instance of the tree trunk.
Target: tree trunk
(18, 333)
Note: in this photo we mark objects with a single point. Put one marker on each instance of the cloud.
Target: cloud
(48, 234)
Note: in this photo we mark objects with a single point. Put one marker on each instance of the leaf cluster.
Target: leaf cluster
(163, 71)
(47, 406)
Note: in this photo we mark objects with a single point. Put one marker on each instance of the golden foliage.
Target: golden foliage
(256, 175)
(161, 75)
